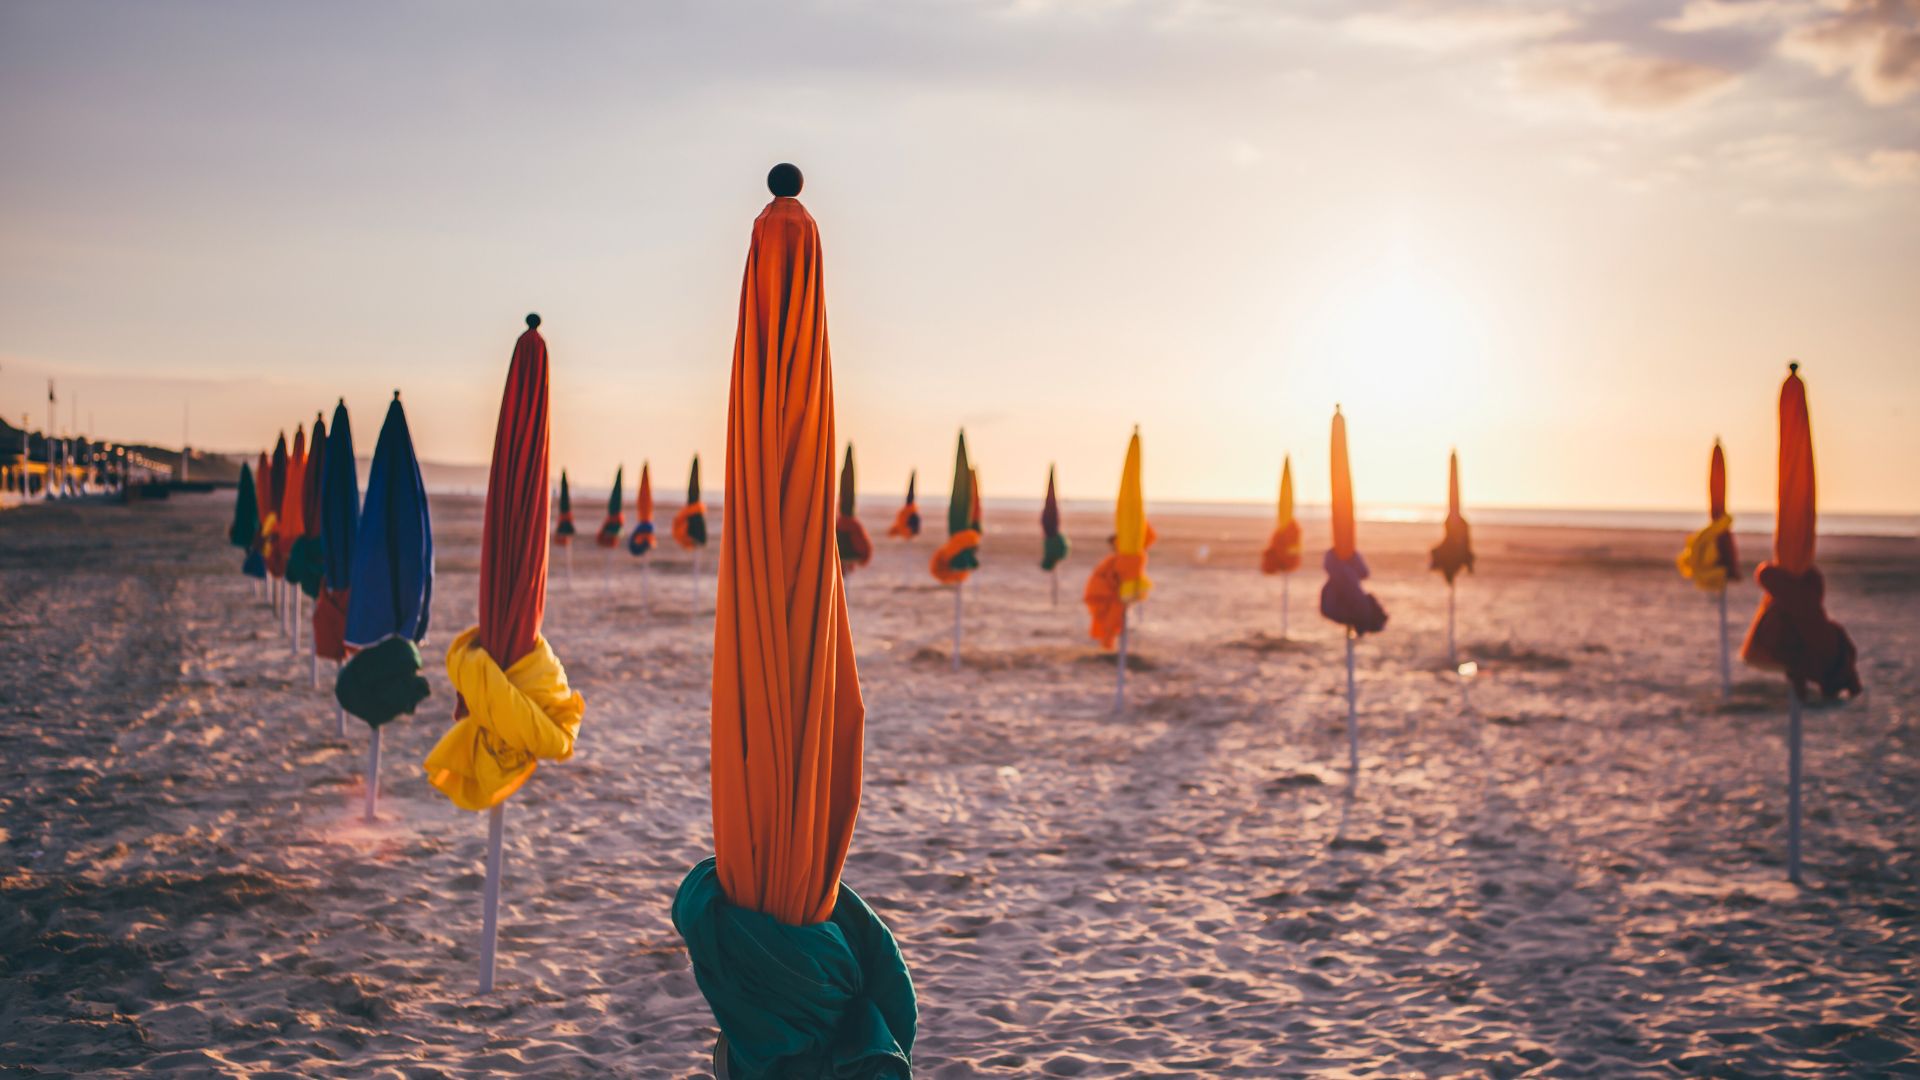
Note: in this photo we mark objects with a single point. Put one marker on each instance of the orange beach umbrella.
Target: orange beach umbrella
(798, 970)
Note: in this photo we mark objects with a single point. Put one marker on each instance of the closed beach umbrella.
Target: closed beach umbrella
(906, 520)
(1454, 552)
(255, 564)
(616, 519)
(1343, 598)
(641, 541)
(690, 530)
(803, 977)
(515, 706)
(392, 595)
(270, 520)
(690, 524)
(960, 555)
(1709, 559)
(563, 530)
(1791, 632)
(1282, 553)
(1053, 543)
(1120, 578)
(856, 547)
(306, 561)
(339, 523)
(289, 526)
(246, 511)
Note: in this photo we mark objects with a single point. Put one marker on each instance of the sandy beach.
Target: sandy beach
(1569, 865)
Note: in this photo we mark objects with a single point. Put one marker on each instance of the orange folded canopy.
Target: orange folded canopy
(787, 713)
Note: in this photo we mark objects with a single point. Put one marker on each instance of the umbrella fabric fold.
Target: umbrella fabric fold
(856, 547)
(906, 520)
(960, 555)
(802, 979)
(246, 511)
(515, 707)
(1053, 543)
(641, 541)
(831, 999)
(306, 560)
(392, 575)
(1709, 560)
(270, 548)
(339, 522)
(690, 524)
(1282, 554)
(563, 532)
(1791, 632)
(1343, 599)
(616, 514)
(1455, 550)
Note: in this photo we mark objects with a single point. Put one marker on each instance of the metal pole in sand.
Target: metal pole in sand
(696, 585)
(490, 902)
(1056, 586)
(1286, 602)
(569, 567)
(297, 594)
(959, 598)
(640, 597)
(313, 671)
(1793, 786)
(1452, 660)
(373, 775)
(1353, 720)
(1120, 665)
(1727, 667)
(339, 710)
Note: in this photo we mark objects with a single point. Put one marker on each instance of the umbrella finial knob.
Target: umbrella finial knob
(784, 180)
(396, 395)
(1793, 367)
(533, 322)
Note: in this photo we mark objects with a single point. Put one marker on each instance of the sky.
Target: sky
(1576, 241)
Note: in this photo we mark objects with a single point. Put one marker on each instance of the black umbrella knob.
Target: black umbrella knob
(533, 322)
(784, 180)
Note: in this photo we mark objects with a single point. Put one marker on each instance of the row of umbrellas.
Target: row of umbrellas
(802, 976)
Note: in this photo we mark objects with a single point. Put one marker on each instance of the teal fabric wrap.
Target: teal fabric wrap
(831, 1001)
(383, 682)
(307, 564)
(1054, 550)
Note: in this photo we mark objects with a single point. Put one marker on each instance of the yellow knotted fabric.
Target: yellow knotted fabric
(1699, 561)
(515, 719)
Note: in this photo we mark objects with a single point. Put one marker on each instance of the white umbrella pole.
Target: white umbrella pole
(339, 710)
(569, 567)
(641, 599)
(1727, 667)
(297, 594)
(1452, 659)
(373, 775)
(1793, 787)
(313, 671)
(1353, 720)
(490, 903)
(959, 598)
(1286, 603)
(1056, 586)
(1120, 667)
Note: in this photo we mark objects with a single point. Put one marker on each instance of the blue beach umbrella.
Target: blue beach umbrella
(339, 514)
(392, 582)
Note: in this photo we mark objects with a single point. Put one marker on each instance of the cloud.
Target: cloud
(1616, 77)
(1880, 168)
(1440, 27)
(1876, 42)
(1700, 16)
